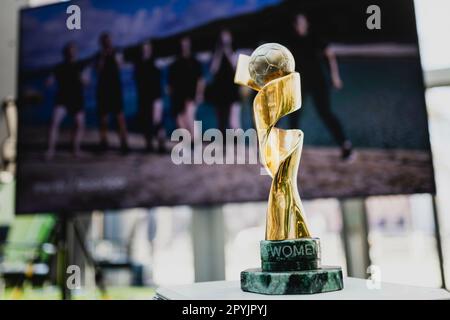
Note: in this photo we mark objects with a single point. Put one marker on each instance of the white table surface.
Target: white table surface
(354, 289)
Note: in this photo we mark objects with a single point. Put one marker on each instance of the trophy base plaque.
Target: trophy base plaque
(291, 267)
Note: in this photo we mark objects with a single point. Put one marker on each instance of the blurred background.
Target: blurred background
(128, 253)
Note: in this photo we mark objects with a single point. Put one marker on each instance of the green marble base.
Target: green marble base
(325, 279)
(290, 265)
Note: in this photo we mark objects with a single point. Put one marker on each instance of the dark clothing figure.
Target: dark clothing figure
(69, 87)
(148, 87)
(224, 92)
(308, 51)
(69, 99)
(183, 77)
(109, 86)
(148, 80)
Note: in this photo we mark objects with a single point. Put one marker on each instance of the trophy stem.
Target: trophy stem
(285, 215)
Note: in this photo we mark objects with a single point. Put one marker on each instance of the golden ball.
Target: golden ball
(270, 61)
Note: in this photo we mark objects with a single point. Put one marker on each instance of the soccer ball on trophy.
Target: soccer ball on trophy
(270, 61)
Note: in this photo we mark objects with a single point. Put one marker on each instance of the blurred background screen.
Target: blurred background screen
(98, 105)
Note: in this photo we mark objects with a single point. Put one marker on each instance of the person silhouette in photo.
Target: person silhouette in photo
(186, 87)
(150, 106)
(69, 99)
(308, 51)
(224, 93)
(109, 92)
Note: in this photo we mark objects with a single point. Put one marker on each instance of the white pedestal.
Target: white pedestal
(354, 289)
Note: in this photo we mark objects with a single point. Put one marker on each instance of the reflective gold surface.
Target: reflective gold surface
(280, 150)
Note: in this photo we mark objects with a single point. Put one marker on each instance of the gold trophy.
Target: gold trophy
(290, 256)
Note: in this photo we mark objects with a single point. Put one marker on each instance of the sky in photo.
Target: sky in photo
(44, 31)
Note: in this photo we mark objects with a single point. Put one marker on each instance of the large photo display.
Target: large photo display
(116, 108)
